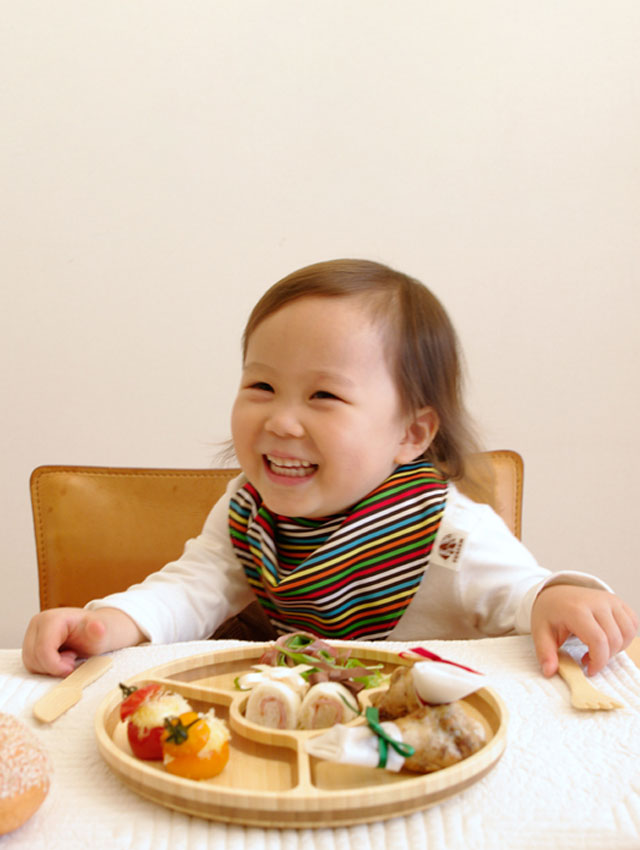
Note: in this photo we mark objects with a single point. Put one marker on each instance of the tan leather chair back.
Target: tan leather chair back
(100, 529)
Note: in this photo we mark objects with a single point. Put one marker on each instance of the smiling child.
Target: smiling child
(350, 432)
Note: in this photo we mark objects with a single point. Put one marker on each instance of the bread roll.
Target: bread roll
(25, 772)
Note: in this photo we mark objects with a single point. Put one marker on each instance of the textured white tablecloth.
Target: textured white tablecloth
(567, 779)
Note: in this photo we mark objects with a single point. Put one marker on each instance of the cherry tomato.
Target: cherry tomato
(185, 735)
(135, 697)
(195, 766)
(184, 747)
(145, 744)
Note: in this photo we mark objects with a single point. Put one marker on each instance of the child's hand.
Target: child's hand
(56, 638)
(598, 618)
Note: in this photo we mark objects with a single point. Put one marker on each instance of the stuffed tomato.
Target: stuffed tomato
(144, 710)
(195, 746)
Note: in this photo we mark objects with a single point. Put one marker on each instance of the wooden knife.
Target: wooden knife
(69, 691)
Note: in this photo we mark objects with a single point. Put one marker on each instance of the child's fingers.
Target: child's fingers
(87, 637)
(601, 647)
(56, 638)
(614, 628)
(628, 621)
(602, 621)
(40, 650)
(546, 644)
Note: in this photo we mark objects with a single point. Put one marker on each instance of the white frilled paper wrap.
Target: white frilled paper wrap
(356, 745)
(435, 682)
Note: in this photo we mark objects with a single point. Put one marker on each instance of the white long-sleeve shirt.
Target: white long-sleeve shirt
(481, 581)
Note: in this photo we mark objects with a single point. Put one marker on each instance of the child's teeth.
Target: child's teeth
(290, 466)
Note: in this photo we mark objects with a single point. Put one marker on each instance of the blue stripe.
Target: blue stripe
(374, 535)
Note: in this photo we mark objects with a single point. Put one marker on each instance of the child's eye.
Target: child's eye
(261, 385)
(325, 394)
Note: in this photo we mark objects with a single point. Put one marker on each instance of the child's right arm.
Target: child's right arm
(56, 638)
(186, 600)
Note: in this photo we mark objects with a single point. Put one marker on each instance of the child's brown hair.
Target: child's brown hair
(421, 342)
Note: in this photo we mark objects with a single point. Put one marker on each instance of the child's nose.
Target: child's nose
(284, 422)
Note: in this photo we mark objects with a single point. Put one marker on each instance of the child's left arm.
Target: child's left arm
(598, 618)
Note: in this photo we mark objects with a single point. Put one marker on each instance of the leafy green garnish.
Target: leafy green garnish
(326, 662)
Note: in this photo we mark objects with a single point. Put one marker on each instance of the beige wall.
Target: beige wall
(163, 162)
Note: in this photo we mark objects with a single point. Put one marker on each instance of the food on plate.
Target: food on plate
(426, 682)
(194, 745)
(25, 773)
(418, 722)
(145, 709)
(302, 662)
(290, 676)
(326, 704)
(431, 738)
(323, 681)
(441, 735)
(324, 662)
(400, 697)
(274, 705)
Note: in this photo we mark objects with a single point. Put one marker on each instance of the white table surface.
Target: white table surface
(567, 779)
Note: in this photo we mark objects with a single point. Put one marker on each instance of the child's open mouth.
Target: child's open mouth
(290, 467)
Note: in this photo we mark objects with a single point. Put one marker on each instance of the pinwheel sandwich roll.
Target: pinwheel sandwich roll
(326, 704)
(274, 705)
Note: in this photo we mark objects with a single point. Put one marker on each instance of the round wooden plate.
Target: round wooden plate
(270, 781)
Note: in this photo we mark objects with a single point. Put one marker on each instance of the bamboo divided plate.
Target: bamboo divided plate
(270, 781)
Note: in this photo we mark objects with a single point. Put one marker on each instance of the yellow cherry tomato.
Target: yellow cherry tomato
(184, 735)
(200, 767)
(187, 749)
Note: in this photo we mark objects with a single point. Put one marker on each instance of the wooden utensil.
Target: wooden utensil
(68, 692)
(583, 694)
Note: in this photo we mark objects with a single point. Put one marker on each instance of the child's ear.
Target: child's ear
(421, 429)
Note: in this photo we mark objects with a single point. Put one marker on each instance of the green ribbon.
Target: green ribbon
(385, 740)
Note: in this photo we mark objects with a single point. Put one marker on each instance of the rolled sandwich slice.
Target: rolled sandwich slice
(274, 705)
(326, 704)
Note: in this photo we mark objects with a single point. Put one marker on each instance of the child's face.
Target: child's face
(317, 423)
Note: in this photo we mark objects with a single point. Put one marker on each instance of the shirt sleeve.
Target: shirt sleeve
(189, 598)
(498, 579)
(481, 580)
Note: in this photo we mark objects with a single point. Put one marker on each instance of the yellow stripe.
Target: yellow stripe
(366, 606)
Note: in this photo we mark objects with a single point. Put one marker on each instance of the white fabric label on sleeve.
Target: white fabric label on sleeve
(448, 546)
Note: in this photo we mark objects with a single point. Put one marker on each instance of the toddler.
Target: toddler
(350, 432)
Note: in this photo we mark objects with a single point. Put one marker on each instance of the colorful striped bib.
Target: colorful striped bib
(349, 576)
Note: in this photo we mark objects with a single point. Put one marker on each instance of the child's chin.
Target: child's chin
(293, 505)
